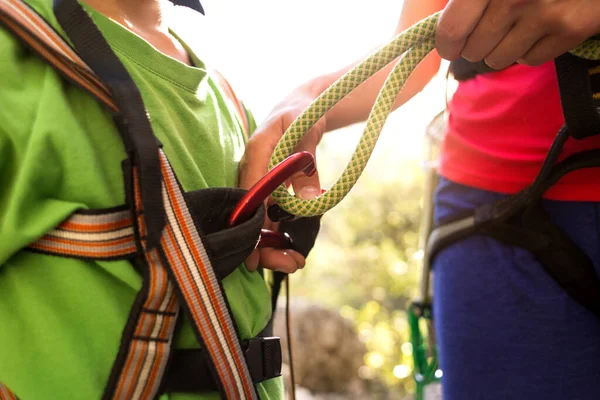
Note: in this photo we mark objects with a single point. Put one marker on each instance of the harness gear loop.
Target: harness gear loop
(412, 46)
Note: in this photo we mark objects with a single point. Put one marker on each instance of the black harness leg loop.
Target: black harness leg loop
(303, 232)
(521, 221)
(564, 261)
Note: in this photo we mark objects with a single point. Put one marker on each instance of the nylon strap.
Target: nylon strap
(6, 394)
(43, 39)
(93, 235)
(190, 269)
(179, 268)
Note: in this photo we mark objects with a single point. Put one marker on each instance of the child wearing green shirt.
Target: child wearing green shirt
(62, 318)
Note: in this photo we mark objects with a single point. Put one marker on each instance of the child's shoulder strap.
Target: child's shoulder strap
(38, 35)
(35, 32)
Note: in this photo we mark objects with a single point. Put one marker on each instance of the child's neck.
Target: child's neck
(146, 19)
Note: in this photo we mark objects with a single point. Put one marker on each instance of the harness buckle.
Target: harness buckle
(263, 355)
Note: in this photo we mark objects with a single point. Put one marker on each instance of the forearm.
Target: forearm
(356, 106)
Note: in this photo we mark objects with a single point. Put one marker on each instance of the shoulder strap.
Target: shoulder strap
(581, 116)
(37, 34)
(132, 121)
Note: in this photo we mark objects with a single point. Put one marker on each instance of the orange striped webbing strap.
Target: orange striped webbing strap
(179, 269)
(6, 394)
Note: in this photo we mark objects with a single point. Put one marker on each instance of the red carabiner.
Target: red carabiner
(302, 161)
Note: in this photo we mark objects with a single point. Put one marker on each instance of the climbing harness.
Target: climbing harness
(518, 220)
(534, 232)
(182, 243)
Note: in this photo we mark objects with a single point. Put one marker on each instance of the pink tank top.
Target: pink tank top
(500, 128)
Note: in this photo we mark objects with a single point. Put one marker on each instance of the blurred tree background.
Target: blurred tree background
(366, 261)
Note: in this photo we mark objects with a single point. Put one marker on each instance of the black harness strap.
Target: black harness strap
(525, 224)
(188, 371)
(168, 238)
(560, 257)
(520, 220)
(138, 137)
(576, 95)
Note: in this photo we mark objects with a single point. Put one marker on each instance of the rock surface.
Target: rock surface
(326, 350)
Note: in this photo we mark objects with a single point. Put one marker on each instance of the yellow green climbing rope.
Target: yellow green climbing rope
(411, 46)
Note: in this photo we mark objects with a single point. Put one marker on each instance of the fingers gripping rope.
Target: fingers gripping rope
(412, 46)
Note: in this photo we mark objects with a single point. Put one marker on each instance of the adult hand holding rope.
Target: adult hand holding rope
(499, 130)
(503, 32)
(413, 46)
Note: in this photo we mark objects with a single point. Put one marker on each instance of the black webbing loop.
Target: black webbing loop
(132, 121)
(559, 256)
(581, 116)
(188, 371)
(303, 232)
(520, 221)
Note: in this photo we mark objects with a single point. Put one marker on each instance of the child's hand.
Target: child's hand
(255, 163)
(503, 32)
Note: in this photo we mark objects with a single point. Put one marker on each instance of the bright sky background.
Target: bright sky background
(265, 48)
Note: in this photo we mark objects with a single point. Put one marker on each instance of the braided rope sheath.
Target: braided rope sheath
(412, 46)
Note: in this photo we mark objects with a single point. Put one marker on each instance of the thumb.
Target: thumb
(309, 187)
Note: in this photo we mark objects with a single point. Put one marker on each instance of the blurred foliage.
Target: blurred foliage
(366, 264)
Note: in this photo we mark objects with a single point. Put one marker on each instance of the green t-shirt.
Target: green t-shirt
(61, 319)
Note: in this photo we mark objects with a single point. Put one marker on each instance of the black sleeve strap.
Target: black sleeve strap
(581, 116)
(132, 121)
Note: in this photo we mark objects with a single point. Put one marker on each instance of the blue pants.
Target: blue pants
(505, 329)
